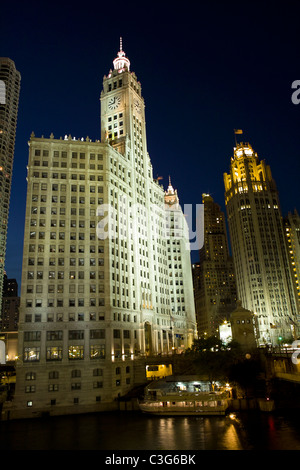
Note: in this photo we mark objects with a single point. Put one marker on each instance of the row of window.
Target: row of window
(59, 249)
(74, 386)
(55, 353)
(60, 303)
(71, 316)
(62, 199)
(53, 401)
(51, 288)
(63, 187)
(70, 261)
(64, 176)
(58, 335)
(75, 373)
(57, 154)
(61, 275)
(74, 165)
(61, 235)
(75, 352)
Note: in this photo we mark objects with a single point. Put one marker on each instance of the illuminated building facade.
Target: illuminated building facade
(99, 273)
(180, 284)
(214, 280)
(264, 284)
(292, 233)
(10, 80)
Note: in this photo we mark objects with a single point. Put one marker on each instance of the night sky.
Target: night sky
(206, 68)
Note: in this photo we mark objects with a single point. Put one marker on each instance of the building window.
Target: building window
(76, 373)
(76, 334)
(97, 334)
(30, 376)
(97, 351)
(54, 353)
(76, 386)
(31, 354)
(53, 374)
(32, 335)
(97, 384)
(76, 352)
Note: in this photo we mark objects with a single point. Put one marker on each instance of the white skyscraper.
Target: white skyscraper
(106, 280)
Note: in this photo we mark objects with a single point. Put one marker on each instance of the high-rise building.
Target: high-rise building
(10, 80)
(264, 284)
(214, 280)
(292, 233)
(180, 290)
(106, 273)
(10, 305)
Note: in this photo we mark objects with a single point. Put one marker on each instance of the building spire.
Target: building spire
(121, 63)
(170, 187)
(171, 196)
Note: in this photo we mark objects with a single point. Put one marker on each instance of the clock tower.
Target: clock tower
(122, 107)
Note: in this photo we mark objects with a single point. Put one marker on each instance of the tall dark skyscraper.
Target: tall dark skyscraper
(10, 80)
(10, 306)
(214, 280)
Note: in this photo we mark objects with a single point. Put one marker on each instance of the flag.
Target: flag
(238, 131)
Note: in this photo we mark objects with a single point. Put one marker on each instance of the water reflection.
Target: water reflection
(134, 431)
(272, 431)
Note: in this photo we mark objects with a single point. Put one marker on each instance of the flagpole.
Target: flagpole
(237, 131)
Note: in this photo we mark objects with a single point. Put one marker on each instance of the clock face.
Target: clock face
(137, 106)
(113, 103)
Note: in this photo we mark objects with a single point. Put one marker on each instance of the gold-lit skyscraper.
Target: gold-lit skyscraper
(10, 80)
(99, 267)
(263, 277)
(292, 233)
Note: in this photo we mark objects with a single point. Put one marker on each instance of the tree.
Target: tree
(212, 358)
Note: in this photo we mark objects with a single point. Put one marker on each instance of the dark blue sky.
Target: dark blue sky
(205, 69)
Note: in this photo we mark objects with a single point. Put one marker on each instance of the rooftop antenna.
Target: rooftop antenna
(121, 44)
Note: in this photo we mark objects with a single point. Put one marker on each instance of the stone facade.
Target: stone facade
(106, 275)
(263, 277)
